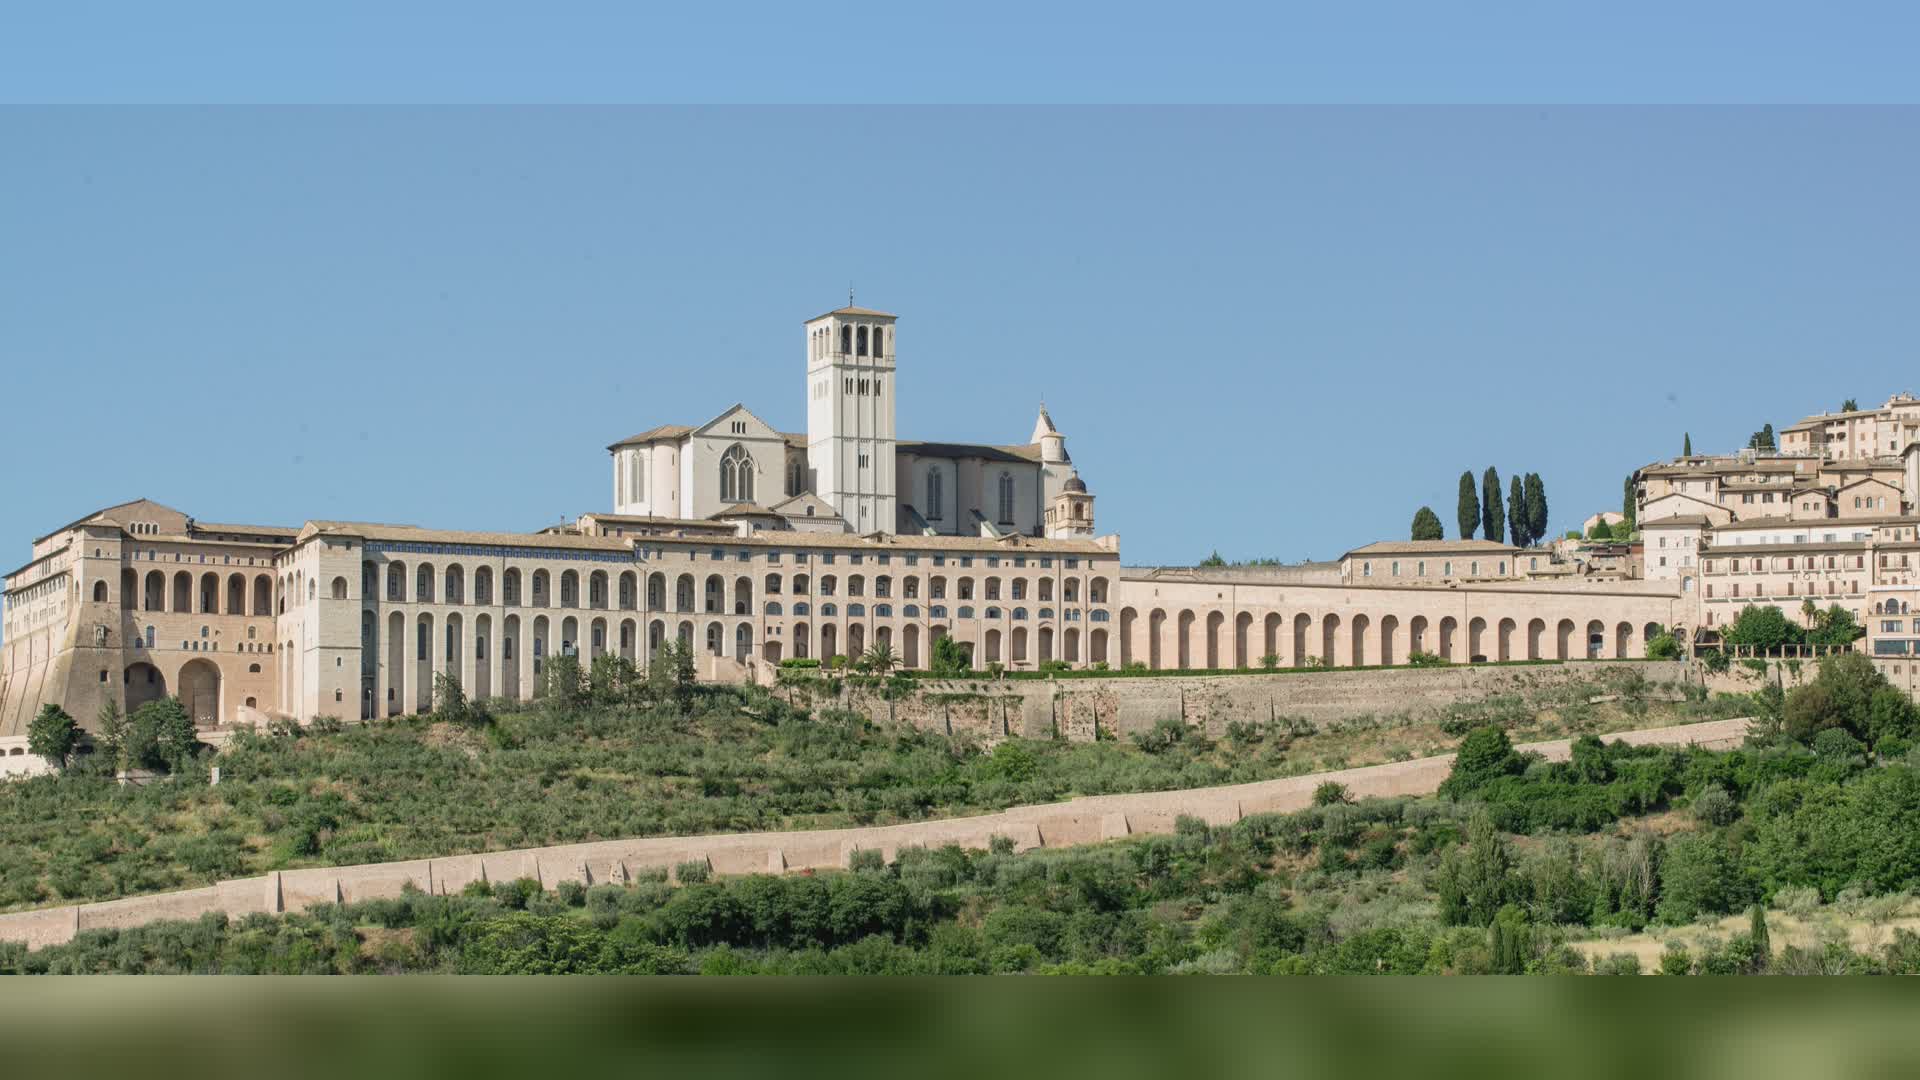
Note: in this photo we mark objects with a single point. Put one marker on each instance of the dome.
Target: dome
(1075, 484)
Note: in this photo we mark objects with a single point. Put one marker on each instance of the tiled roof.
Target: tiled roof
(1434, 547)
(653, 435)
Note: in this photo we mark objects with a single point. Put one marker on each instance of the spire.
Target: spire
(1043, 427)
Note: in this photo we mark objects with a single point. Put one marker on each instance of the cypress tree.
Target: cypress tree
(1762, 941)
(1630, 506)
(1426, 525)
(1516, 513)
(1469, 513)
(1536, 490)
(1492, 515)
(1686, 445)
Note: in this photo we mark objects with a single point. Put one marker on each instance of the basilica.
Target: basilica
(849, 471)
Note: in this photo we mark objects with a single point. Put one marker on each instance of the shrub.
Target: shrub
(1663, 647)
(1421, 658)
(693, 872)
(1331, 793)
(1715, 807)
(52, 735)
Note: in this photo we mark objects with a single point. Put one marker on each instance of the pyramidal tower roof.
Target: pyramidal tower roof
(1043, 427)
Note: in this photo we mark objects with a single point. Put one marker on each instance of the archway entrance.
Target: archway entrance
(143, 683)
(200, 692)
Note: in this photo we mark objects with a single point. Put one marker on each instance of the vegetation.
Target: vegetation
(1426, 525)
(1468, 510)
(1600, 531)
(1686, 444)
(1492, 517)
(1766, 627)
(1762, 439)
(52, 735)
(1520, 866)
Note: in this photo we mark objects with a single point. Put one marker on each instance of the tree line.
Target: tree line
(1521, 512)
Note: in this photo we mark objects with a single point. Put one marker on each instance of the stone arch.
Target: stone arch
(569, 588)
(1018, 651)
(200, 691)
(1417, 635)
(993, 645)
(1242, 631)
(482, 662)
(1070, 642)
(209, 594)
(1536, 634)
(511, 653)
(1128, 617)
(1504, 647)
(742, 642)
(599, 594)
(236, 594)
(1476, 640)
(510, 587)
(182, 593)
(1329, 639)
(1270, 637)
(1156, 630)
(829, 642)
(1357, 640)
(1215, 622)
(1649, 632)
(423, 652)
(716, 638)
(423, 582)
(541, 588)
(396, 662)
(1596, 643)
(910, 646)
(1045, 636)
(483, 585)
(856, 640)
(683, 593)
(1389, 640)
(263, 595)
(1563, 643)
(453, 587)
(656, 591)
(1183, 639)
(743, 596)
(1097, 646)
(129, 588)
(685, 634)
(1302, 626)
(142, 683)
(596, 638)
(155, 594)
(338, 588)
(1449, 627)
(1623, 641)
(629, 590)
(100, 591)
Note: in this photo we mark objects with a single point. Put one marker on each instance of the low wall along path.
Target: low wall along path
(1077, 821)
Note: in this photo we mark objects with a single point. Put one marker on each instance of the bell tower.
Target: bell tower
(850, 433)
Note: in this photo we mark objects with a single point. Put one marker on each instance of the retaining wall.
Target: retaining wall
(1076, 821)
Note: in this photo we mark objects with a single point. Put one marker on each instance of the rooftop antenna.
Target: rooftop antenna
(849, 294)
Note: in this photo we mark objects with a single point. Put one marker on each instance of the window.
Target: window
(736, 475)
(1006, 498)
(935, 497)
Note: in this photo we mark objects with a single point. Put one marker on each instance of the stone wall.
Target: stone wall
(1076, 821)
(1076, 709)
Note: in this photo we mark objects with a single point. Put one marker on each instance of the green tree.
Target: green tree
(1698, 877)
(1600, 531)
(112, 725)
(1517, 513)
(1686, 445)
(950, 657)
(1469, 508)
(880, 660)
(1630, 505)
(1476, 880)
(52, 735)
(1850, 405)
(1536, 493)
(1762, 626)
(1762, 439)
(1835, 626)
(1761, 939)
(1426, 525)
(1485, 755)
(1492, 516)
(161, 735)
(1213, 559)
(561, 683)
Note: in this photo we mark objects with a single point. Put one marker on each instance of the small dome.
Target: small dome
(1075, 484)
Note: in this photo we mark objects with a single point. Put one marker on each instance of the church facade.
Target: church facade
(849, 471)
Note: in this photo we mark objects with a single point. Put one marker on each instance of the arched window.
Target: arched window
(736, 475)
(1006, 498)
(879, 341)
(860, 342)
(339, 588)
(846, 340)
(935, 497)
(100, 591)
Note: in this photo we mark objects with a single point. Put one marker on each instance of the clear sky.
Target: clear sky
(1271, 331)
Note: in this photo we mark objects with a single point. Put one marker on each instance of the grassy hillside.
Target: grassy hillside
(1519, 866)
(627, 765)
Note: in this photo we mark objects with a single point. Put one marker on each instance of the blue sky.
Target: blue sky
(1270, 331)
(1274, 331)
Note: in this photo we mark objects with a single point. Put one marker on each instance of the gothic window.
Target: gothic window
(1006, 498)
(846, 340)
(736, 475)
(879, 338)
(934, 495)
(860, 342)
